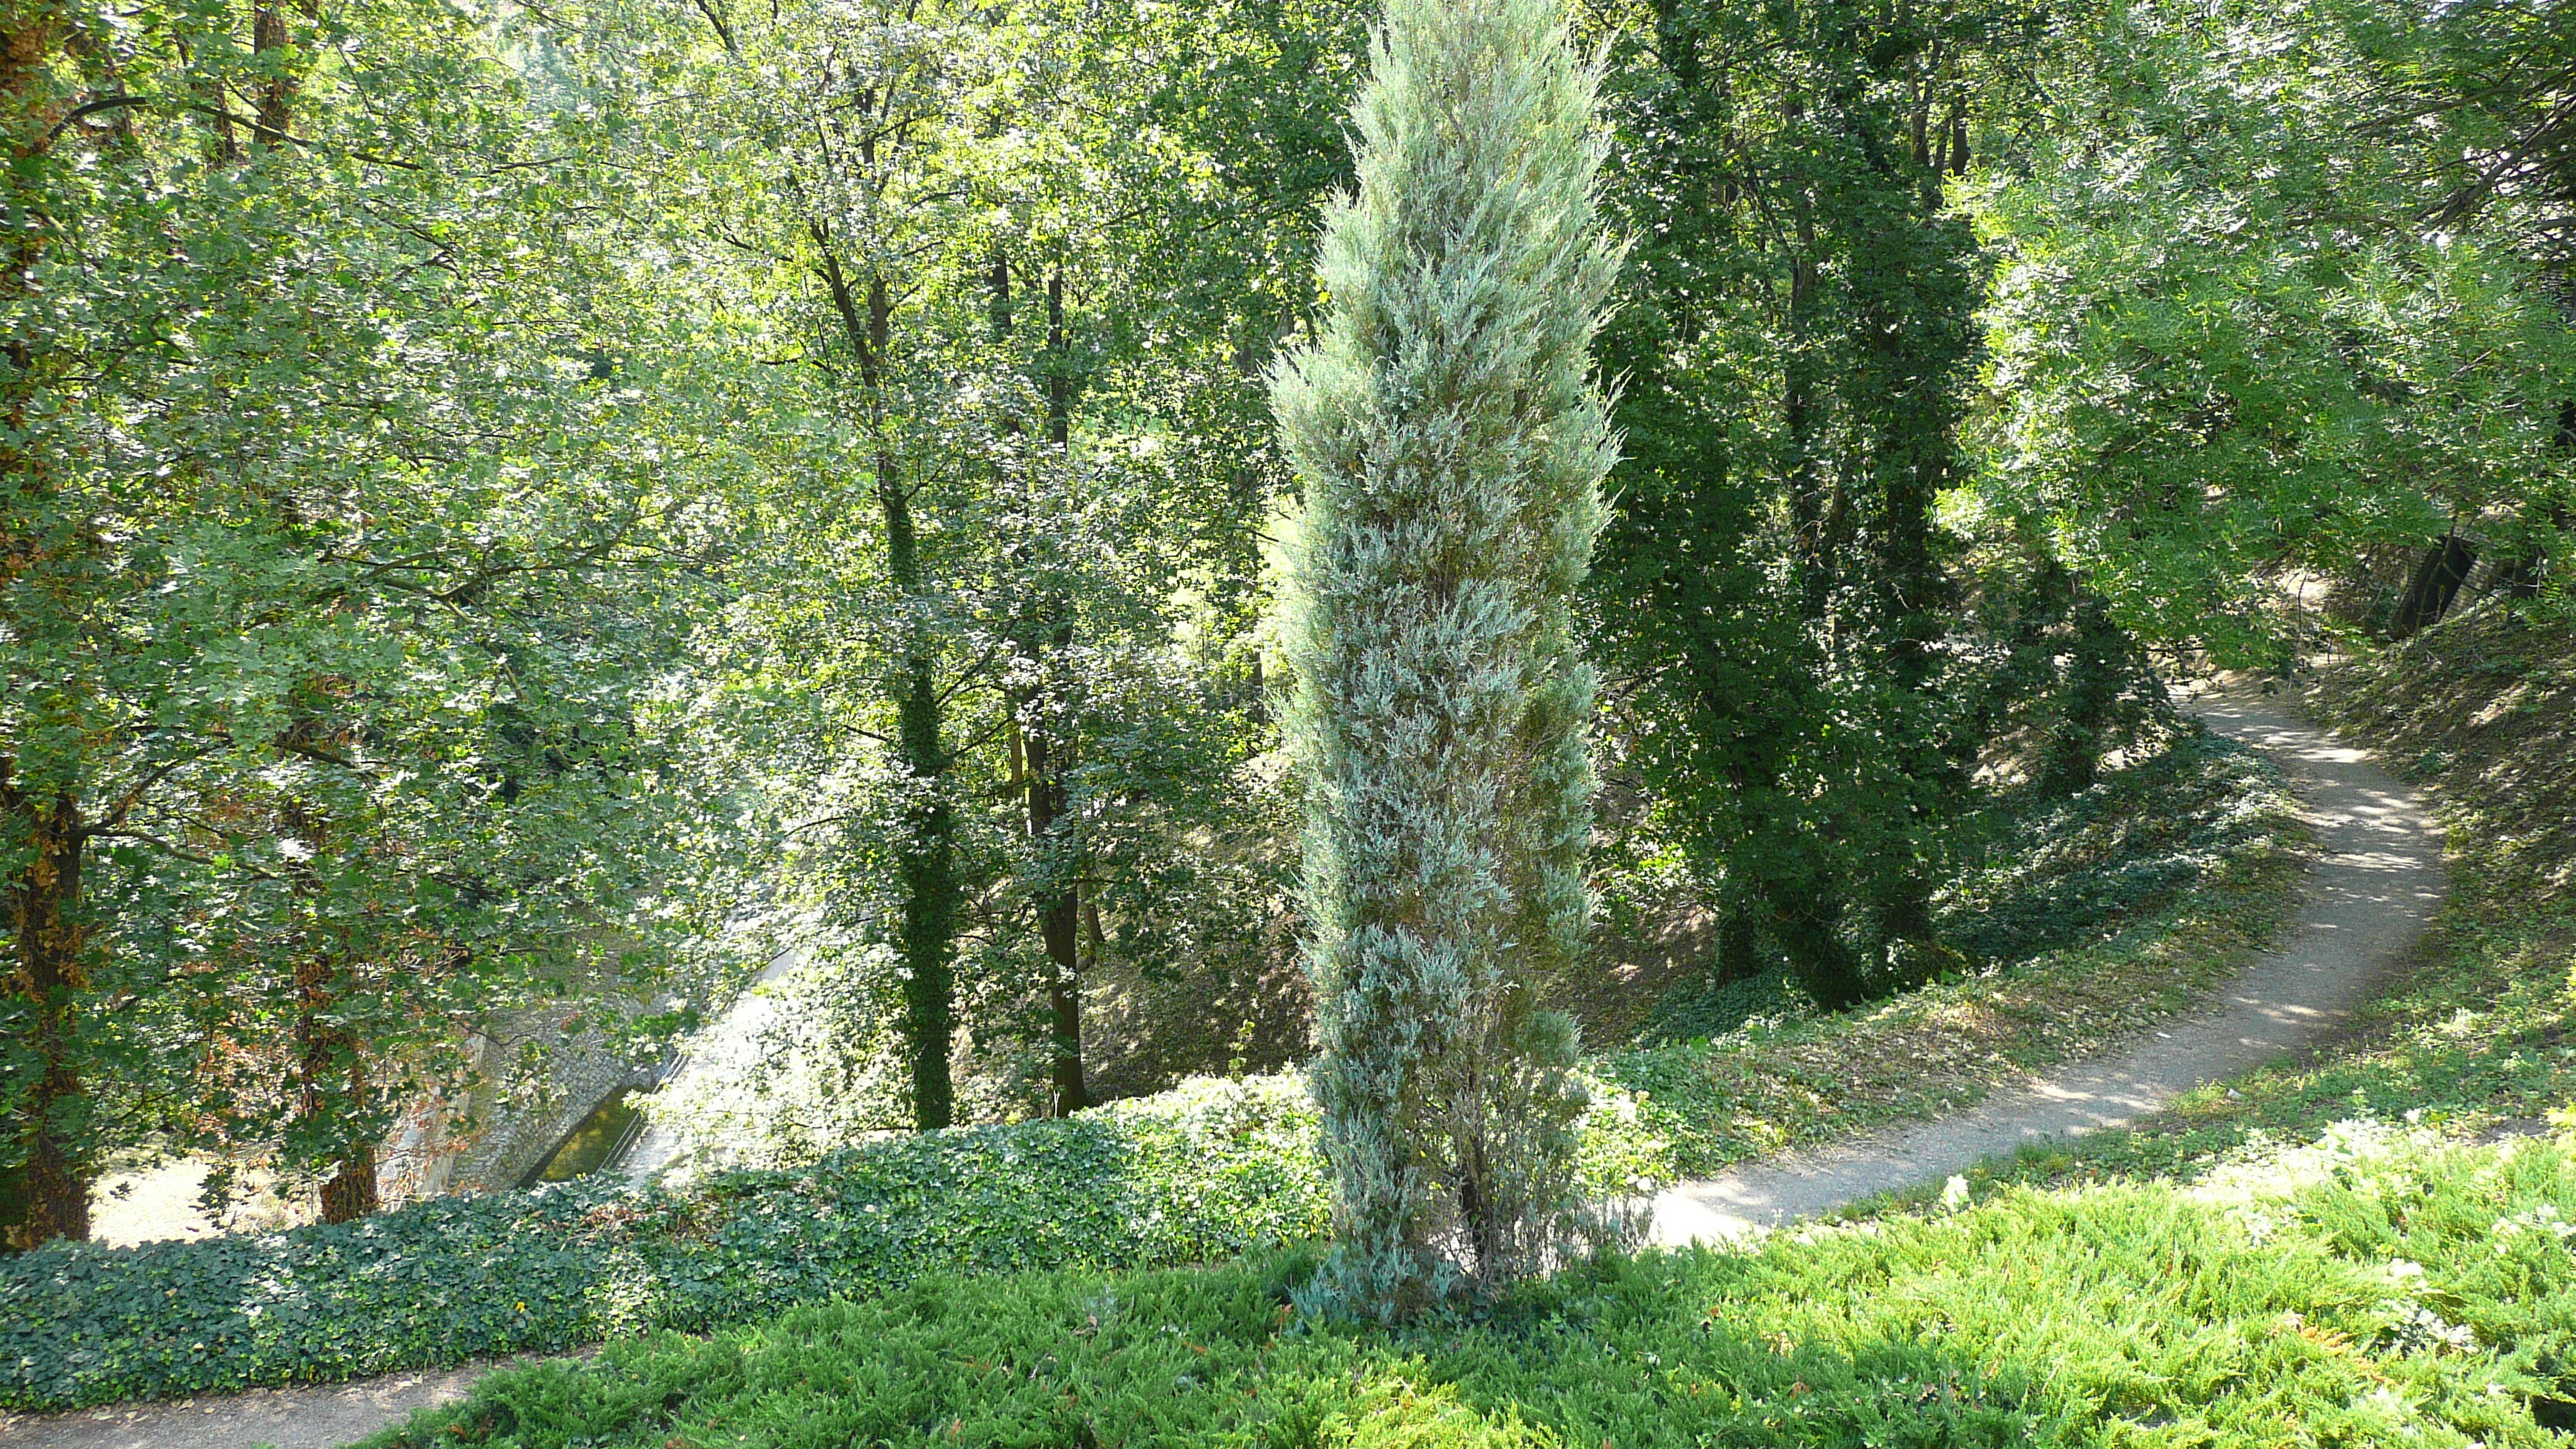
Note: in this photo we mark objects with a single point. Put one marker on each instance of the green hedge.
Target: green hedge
(1209, 1170)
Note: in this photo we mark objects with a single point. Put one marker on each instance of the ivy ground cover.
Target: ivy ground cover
(2377, 1288)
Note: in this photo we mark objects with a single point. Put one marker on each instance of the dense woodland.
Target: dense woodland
(536, 508)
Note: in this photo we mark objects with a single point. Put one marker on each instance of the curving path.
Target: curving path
(2375, 885)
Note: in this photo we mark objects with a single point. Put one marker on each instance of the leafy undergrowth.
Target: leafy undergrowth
(2482, 708)
(2305, 1256)
(2182, 897)
(2378, 1288)
(2063, 872)
(2072, 870)
(1209, 1171)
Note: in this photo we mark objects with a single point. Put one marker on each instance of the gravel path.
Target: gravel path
(2375, 884)
(2368, 899)
(318, 1416)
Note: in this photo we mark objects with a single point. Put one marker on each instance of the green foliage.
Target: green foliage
(1451, 443)
(2062, 873)
(350, 594)
(1209, 1171)
(997, 490)
(2376, 1289)
(1774, 583)
(1212, 1169)
(2071, 870)
(1696, 1010)
(1215, 1170)
(2237, 324)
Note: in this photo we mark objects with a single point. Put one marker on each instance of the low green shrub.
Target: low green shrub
(1210, 1170)
(2074, 869)
(2060, 872)
(2378, 1288)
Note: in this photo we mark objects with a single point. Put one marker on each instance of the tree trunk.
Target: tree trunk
(46, 1194)
(1057, 908)
(324, 1052)
(49, 979)
(1059, 918)
(1045, 633)
(269, 38)
(351, 1192)
(926, 858)
(1801, 418)
(2437, 579)
(1737, 954)
(1826, 965)
(1819, 958)
(2073, 753)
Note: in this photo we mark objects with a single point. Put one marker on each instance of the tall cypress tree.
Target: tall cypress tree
(1451, 444)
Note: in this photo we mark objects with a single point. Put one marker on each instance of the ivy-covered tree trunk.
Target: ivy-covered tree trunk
(1913, 309)
(2099, 666)
(1451, 444)
(331, 1090)
(926, 851)
(926, 855)
(327, 1061)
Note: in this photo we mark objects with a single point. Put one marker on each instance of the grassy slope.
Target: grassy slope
(2193, 1282)
(2377, 1290)
(2190, 849)
(2264, 1313)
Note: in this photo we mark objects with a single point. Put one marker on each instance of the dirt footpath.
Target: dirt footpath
(317, 1416)
(2376, 884)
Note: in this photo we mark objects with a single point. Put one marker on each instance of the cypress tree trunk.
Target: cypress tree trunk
(1451, 446)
